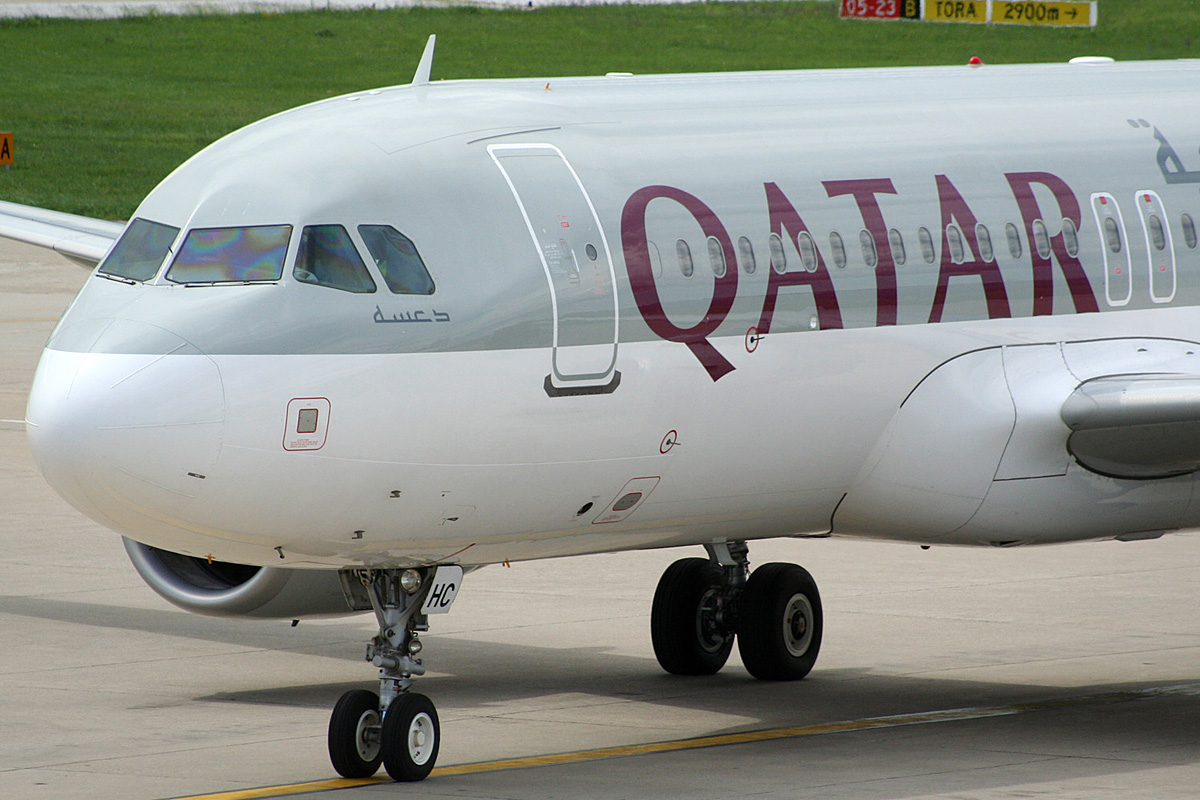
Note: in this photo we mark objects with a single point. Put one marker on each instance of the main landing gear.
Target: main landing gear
(701, 605)
(396, 727)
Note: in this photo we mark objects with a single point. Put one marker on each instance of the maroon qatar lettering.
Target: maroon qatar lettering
(786, 223)
(956, 211)
(645, 291)
(863, 192)
(784, 220)
(1043, 269)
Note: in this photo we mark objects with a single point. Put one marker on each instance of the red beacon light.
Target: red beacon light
(975, 61)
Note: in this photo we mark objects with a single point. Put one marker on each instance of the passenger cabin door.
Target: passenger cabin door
(574, 254)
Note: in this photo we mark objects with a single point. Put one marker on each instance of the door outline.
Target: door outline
(561, 382)
(1101, 211)
(1155, 206)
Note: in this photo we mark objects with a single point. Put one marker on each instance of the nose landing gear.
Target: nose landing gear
(701, 605)
(396, 727)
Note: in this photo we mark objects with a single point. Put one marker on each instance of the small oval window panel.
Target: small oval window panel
(631, 497)
(627, 501)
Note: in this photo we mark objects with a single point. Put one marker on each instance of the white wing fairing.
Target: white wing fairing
(467, 322)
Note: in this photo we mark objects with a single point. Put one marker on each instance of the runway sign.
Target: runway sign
(882, 9)
(1069, 14)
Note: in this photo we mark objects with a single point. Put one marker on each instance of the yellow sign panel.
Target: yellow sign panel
(6, 149)
(1069, 14)
(956, 10)
(1066, 14)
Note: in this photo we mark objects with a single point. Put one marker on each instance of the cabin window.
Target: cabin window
(839, 250)
(867, 242)
(716, 257)
(1070, 238)
(1189, 231)
(231, 255)
(746, 254)
(327, 257)
(926, 239)
(896, 242)
(591, 252)
(778, 257)
(983, 238)
(1157, 236)
(1112, 235)
(397, 259)
(808, 251)
(958, 253)
(1041, 238)
(684, 254)
(140, 251)
(1014, 240)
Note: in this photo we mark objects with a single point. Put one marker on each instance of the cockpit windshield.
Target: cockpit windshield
(397, 259)
(327, 257)
(231, 255)
(140, 251)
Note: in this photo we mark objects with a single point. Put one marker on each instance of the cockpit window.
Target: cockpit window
(231, 255)
(327, 257)
(397, 259)
(140, 251)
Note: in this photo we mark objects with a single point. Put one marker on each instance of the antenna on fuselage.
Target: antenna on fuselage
(426, 64)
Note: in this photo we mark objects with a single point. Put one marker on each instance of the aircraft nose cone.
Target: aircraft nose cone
(121, 435)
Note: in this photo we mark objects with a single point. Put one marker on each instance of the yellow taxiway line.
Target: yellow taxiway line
(747, 737)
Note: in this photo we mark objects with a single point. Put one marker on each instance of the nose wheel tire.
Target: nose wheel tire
(354, 735)
(780, 623)
(688, 624)
(411, 737)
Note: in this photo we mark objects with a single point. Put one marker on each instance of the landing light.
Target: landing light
(410, 580)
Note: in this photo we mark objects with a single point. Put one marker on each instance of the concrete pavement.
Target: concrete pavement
(1081, 661)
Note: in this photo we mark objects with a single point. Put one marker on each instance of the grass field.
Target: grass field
(102, 110)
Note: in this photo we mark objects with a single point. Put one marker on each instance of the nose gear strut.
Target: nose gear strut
(397, 727)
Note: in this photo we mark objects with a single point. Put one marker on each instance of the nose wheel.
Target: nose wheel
(405, 741)
(411, 737)
(396, 728)
(354, 735)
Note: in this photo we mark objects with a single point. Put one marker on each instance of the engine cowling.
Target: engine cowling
(236, 590)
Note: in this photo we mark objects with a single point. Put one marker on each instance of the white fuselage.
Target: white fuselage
(653, 376)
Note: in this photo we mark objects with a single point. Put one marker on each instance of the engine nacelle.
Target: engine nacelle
(236, 590)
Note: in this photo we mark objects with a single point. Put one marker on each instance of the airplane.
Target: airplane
(344, 356)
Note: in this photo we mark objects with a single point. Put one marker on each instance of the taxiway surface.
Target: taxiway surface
(1066, 672)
